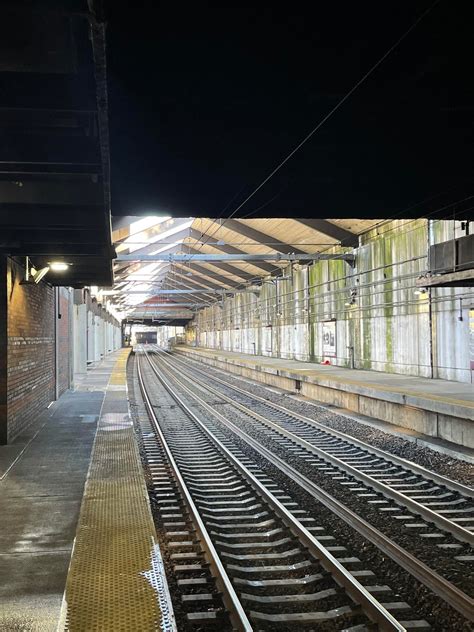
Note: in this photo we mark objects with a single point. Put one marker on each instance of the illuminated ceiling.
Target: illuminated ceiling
(169, 290)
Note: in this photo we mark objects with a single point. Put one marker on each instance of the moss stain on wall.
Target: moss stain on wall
(389, 326)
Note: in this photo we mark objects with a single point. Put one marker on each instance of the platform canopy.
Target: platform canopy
(54, 149)
(163, 262)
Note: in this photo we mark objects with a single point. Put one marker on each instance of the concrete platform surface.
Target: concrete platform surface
(437, 408)
(116, 579)
(42, 476)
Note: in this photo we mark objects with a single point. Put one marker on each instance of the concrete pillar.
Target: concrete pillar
(103, 330)
(90, 337)
(108, 346)
(71, 337)
(57, 315)
(80, 338)
(98, 345)
(103, 338)
(97, 338)
(3, 351)
(63, 339)
(100, 340)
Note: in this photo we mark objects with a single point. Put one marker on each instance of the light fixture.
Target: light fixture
(39, 274)
(32, 275)
(352, 299)
(58, 266)
(421, 292)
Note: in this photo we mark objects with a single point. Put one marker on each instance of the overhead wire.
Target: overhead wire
(319, 125)
(316, 128)
(333, 110)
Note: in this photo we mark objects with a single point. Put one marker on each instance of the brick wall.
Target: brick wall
(28, 354)
(30, 350)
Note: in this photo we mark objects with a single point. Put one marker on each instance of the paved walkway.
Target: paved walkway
(42, 476)
(116, 580)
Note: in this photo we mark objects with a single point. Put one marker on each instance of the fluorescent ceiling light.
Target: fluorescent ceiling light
(58, 266)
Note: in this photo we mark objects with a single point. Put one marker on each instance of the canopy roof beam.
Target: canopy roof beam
(171, 305)
(205, 272)
(230, 250)
(210, 258)
(163, 291)
(193, 293)
(197, 281)
(225, 267)
(256, 235)
(150, 248)
(345, 237)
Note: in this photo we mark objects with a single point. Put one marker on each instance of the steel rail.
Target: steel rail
(432, 580)
(236, 612)
(431, 516)
(373, 608)
(452, 595)
(414, 467)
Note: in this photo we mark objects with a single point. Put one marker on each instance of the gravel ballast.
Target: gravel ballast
(443, 464)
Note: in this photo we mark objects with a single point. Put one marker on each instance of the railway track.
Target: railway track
(337, 453)
(269, 559)
(439, 500)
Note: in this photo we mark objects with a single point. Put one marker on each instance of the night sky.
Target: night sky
(206, 101)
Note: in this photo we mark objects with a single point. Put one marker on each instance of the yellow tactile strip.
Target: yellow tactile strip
(115, 580)
(119, 373)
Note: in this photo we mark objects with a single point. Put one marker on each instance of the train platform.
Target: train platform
(77, 544)
(438, 412)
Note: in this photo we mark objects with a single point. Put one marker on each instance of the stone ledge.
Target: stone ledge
(432, 416)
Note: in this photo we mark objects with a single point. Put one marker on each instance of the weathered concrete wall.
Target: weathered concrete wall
(168, 335)
(380, 322)
(450, 315)
(393, 332)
